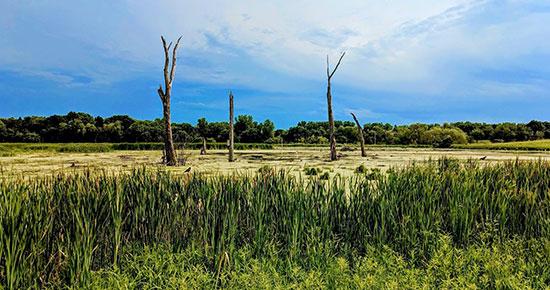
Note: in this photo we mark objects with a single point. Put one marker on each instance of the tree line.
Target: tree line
(83, 127)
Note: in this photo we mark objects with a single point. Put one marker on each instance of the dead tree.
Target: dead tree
(231, 130)
(361, 137)
(203, 148)
(165, 94)
(332, 139)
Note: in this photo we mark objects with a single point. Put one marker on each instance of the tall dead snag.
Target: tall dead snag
(203, 148)
(361, 137)
(332, 140)
(231, 130)
(169, 72)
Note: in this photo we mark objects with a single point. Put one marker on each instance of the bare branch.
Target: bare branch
(355, 119)
(161, 93)
(173, 69)
(177, 44)
(337, 65)
(166, 64)
(328, 72)
(360, 133)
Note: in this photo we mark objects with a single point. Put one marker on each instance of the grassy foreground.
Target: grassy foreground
(512, 264)
(441, 224)
(542, 145)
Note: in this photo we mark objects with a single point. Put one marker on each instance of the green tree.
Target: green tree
(505, 132)
(444, 137)
(218, 131)
(477, 134)
(125, 120)
(537, 128)
(346, 134)
(415, 133)
(267, 130)
(202, 127)
(111, 132)
(243, 123)
(144, 131)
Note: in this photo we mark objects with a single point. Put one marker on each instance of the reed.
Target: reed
(56, 230)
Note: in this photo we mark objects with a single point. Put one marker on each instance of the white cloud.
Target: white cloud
(426, 47)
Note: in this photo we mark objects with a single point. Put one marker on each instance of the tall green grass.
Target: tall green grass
(56, 230)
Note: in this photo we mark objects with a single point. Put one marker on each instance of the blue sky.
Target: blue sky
(407, 61)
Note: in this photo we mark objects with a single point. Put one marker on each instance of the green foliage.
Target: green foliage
(514, 264)
(443, 137)
(274, 140)
(145, 131)
(249, 131)
(82, 127)
(312, 171)
(444, 223)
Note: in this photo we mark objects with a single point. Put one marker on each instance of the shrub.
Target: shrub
(443, 137)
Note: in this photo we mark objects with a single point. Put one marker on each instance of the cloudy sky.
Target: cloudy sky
(407, 61)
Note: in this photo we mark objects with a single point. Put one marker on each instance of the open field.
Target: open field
(294, 159)
(536, 145)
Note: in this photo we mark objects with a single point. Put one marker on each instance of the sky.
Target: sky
(406, 61)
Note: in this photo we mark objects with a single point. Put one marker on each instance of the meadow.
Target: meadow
(11, 149)
(441, 223)
(24, 159)
(536, 145)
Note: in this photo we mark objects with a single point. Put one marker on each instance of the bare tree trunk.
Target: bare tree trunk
(332, 138)
(165, 95)
(203, 148)
(361, 137)
(231, 130)
(168, 139)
